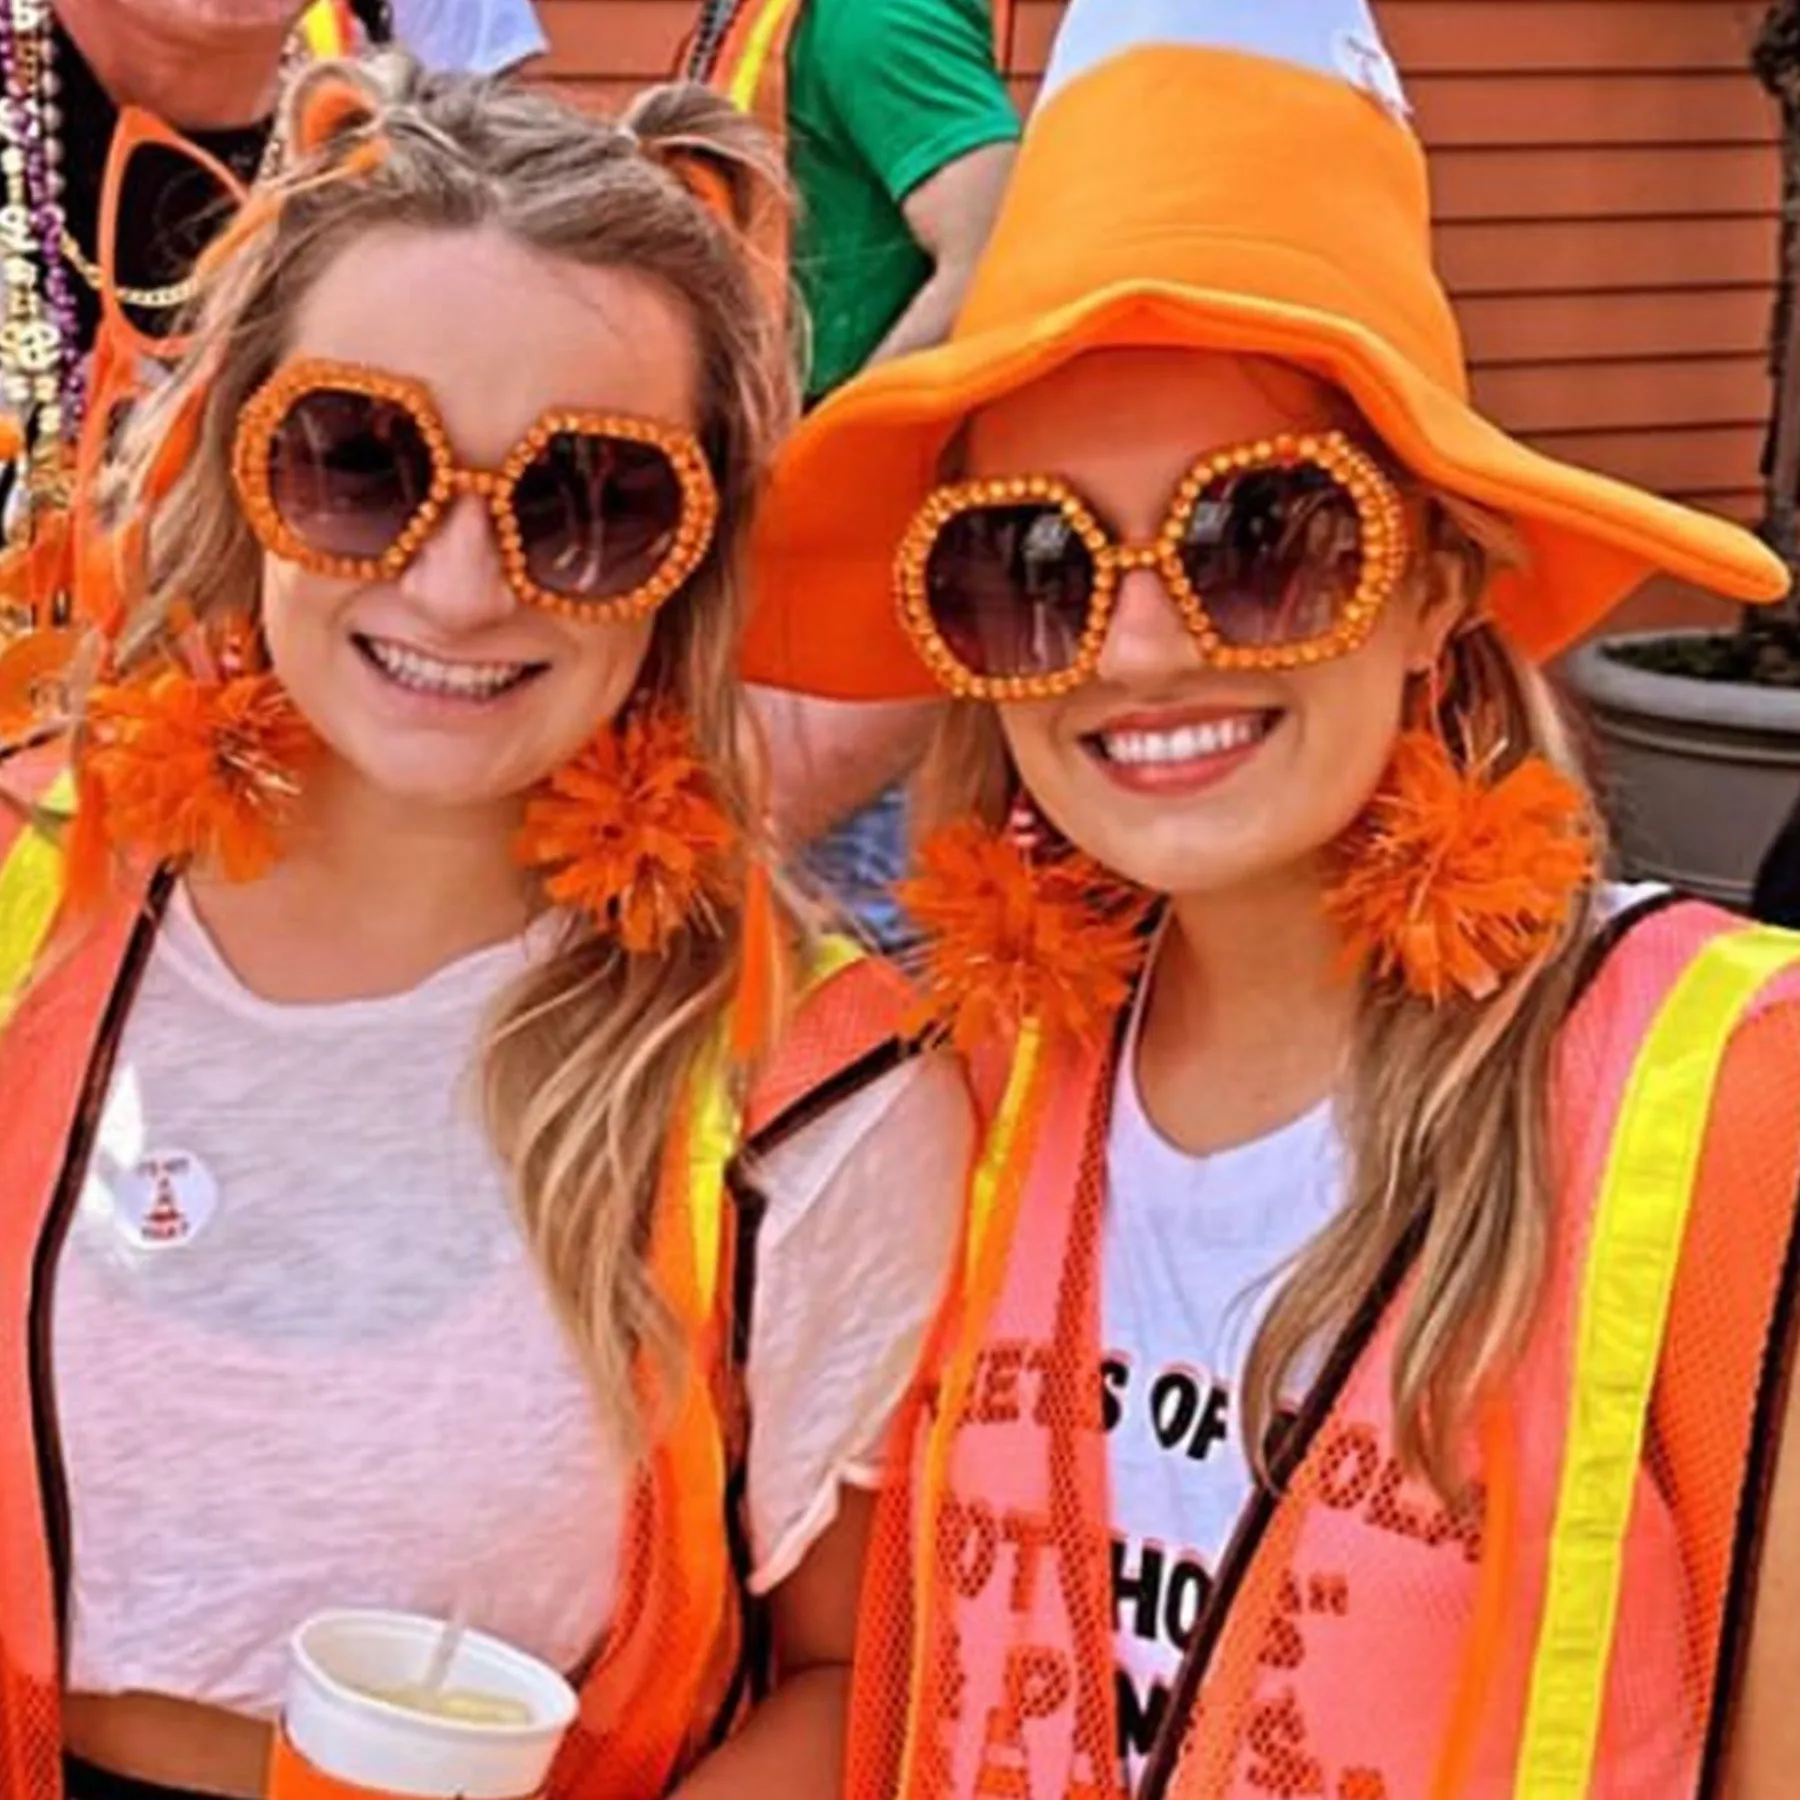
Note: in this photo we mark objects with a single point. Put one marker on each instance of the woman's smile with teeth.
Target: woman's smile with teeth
(1184, 743)
(409, 668)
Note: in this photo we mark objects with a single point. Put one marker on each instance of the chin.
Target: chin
(449, 790)
(1184, 873)
(1183, 861)
(433, 780)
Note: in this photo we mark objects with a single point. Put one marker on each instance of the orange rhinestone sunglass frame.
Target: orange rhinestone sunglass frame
(1383, 548)
(270, 406)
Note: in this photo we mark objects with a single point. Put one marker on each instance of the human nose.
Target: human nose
(456, 575)
(1146, 636)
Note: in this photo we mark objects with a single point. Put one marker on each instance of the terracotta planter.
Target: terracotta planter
(1698, 775)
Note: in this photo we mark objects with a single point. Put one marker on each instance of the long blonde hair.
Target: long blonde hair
(585, 1060)
(1446, 1107)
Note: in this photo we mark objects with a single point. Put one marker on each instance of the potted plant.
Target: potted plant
(1700, 730)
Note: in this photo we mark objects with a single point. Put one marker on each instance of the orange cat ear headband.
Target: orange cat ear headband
(708, 183)
(329, 106)
(702, 173)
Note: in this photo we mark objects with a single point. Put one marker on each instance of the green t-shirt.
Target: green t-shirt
(881, 95)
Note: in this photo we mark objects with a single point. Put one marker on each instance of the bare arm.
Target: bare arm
(1765, 1748)
(1753, 1105)
(951, 214)
(829, 758)
(793, 1746)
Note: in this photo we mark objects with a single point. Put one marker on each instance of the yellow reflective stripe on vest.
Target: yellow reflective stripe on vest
(323, 30)
(30, 887)
(746, 79)
(1003, 1145)
(712, 1142)
(717, 1129)
(1627, 1285)
(832, 955)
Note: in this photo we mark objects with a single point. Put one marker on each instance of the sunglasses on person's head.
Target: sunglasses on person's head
(1276, 554)
(346, 471)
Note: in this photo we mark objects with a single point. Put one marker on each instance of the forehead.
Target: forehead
(1147, 406)
(507, 334)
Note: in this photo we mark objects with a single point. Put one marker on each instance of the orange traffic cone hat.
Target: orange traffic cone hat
(1226, 175)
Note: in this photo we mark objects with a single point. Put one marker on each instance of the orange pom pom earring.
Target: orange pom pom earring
(196, 759)
(1455, 878)
(1019, 927)
(631, 833)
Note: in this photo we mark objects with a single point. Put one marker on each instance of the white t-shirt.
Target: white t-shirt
(472, 37)
(303, 1357)
(1191, 1247)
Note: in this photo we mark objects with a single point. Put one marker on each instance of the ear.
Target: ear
(1446, 605)
(1440, 616)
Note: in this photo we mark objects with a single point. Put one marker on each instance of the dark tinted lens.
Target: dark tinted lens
(1009, 589)
(597, 516)
(1274, 553)
(347, 472)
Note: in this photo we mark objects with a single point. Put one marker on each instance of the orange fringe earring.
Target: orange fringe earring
(1016, 929)
(1451, 882)
(631, 833)
(195, 760)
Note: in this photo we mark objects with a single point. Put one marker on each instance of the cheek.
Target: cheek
(1348, 715)
(297, 609)
(597, 677)
(1029, 727)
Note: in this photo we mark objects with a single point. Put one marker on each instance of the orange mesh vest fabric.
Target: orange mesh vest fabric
(667, 1682)
(1362, 1641)
(45, 1055)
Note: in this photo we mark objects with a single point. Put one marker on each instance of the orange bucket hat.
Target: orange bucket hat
(1233, 175)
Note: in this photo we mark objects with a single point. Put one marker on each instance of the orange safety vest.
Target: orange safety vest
(685, 1655)
(1576, 1628)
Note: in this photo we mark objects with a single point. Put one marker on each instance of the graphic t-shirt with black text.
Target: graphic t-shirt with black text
(1192, 1248)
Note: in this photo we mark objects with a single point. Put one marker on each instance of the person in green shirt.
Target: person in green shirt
(900, 141)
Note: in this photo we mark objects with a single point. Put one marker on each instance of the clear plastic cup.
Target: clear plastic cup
(348, 1712)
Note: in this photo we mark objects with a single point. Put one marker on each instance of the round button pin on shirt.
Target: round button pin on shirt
(166, 1200)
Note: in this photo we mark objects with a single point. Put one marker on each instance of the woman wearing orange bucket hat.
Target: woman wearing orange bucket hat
(434, 1153)
(1367, 1376)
